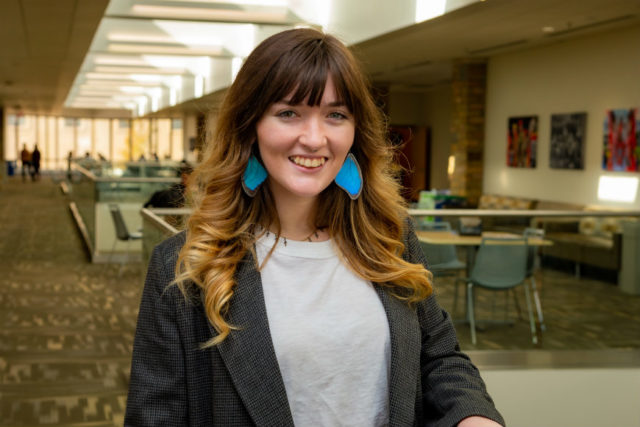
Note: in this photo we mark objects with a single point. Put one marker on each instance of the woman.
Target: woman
(298, 294)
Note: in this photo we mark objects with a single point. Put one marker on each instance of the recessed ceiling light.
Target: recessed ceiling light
(548, 30)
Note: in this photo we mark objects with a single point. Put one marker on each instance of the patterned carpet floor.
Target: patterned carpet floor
(66, 325)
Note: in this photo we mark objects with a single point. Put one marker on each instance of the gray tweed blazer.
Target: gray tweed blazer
(238, 383)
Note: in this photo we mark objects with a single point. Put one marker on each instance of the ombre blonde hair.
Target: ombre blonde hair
(368, 232)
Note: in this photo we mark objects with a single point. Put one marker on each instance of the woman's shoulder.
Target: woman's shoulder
(162, 266)
(169, 248)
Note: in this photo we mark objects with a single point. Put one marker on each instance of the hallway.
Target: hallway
(66, 326)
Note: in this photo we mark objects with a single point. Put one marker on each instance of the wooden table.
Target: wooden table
(452, 238)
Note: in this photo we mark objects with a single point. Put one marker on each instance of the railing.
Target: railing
(159, 224)
(521, 213)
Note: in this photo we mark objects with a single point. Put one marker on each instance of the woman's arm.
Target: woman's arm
(157, 390)
(453, 392)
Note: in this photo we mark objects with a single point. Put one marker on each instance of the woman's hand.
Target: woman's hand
(476, 421)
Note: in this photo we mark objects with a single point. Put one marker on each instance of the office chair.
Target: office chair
(500, 265)
(122, 232)
(532, 266)
(443, 259)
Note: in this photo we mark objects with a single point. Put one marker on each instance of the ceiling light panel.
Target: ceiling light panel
(99, 92)
(139, 38)
(109, 59)
(237, 39)
(123, 82)
(228, 13)
(139, 70)
(165, 50)
(274, 3)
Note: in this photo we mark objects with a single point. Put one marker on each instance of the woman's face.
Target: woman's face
(303, 147)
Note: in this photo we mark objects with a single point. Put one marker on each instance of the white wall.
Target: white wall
(590, 74)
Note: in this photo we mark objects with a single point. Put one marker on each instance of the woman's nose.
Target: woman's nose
(313, 134)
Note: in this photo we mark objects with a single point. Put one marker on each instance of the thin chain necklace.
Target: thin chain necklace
(308, 238)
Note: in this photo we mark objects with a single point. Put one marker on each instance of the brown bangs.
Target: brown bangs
(302, 73)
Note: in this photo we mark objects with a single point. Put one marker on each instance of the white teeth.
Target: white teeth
(306, 162)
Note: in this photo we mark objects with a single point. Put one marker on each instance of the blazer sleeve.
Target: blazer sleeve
(157, 389)
(452, 388)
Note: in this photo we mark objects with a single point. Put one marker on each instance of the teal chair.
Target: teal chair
(443, 260)
(500, 265)
(532, 266)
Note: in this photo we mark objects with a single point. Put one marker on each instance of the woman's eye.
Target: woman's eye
(287, 114)
(337, 115)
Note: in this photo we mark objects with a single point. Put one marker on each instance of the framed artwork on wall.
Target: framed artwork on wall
(522, 141)
(567, 140)
(621, 151)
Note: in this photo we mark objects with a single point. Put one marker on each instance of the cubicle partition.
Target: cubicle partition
(94, 186)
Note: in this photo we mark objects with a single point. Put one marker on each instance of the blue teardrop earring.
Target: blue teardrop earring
(349, 177)
(253, 176)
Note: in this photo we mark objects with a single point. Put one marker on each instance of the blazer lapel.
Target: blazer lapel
(249, 355)
(405, 359)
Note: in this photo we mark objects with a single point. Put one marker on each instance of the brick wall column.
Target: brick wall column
(467, 126)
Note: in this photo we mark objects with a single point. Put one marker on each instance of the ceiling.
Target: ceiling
(166, 57)
(421, 55)
(43, 45)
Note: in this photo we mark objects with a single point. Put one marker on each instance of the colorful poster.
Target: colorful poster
(621, 134)
(567, 141)
(522, 141)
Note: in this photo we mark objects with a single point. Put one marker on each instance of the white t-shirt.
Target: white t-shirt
(330, 334)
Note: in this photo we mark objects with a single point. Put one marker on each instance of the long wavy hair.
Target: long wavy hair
(368, 232)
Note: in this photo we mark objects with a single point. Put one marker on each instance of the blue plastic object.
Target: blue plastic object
(253, 176)
(349, 177)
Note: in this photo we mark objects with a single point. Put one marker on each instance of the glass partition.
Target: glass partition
(97, 185)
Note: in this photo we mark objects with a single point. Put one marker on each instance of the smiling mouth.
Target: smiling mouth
(307, 162)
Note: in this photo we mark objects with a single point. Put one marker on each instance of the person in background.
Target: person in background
(35, 163)
(25, 159)
(298, 294)
(69, 161)
(174, 196)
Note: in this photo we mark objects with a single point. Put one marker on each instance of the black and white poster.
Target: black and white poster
(567, 140)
